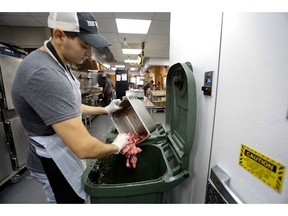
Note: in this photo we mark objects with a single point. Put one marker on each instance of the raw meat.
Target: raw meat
(130, 150)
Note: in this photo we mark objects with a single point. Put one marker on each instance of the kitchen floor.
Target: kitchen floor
(27, 190)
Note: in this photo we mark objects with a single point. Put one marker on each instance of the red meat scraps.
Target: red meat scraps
(130, 150)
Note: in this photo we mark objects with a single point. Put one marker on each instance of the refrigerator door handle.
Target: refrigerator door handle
(221, 182)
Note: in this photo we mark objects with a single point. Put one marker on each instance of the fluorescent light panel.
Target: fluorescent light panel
(132, 26)
(132, 61)
(132, 51)
(120, 66)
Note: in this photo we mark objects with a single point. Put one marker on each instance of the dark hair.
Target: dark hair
(69, 34)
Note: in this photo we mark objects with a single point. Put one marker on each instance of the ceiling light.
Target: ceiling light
(120, 66)
(132, 26)
(131, 61)
(131, 51)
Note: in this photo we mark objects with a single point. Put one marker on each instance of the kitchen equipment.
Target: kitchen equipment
(135, 93)
(13, 140)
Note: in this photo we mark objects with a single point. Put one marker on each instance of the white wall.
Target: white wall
(252, 101)
(195, 37)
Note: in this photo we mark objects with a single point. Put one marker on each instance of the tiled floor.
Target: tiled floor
(27, 190)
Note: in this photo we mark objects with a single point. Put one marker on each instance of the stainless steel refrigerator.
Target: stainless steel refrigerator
(13, 140)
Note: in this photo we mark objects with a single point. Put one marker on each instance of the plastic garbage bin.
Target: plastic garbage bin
(164, 160)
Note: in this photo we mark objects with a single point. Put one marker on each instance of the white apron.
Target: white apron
(71, 166)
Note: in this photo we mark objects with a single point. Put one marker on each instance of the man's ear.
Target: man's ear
(58, 35)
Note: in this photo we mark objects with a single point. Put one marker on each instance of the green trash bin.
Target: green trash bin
(164, 160)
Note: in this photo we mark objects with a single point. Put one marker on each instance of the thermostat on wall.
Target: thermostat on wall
(208, 78)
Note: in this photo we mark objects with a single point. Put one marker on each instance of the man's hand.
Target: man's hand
(121, 141)
(113, 106)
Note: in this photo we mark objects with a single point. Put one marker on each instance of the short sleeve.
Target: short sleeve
(51, 96)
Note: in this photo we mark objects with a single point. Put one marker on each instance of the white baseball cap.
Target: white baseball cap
(83, 23)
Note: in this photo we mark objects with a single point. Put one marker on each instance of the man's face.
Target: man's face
(75, 50)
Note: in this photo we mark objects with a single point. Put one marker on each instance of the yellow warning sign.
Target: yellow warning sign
(267, 170)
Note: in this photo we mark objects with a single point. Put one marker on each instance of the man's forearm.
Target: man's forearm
(92, 110)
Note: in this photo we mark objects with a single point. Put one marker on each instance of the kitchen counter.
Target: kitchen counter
(148, 104)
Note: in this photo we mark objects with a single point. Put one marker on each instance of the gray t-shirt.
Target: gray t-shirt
(42, 95)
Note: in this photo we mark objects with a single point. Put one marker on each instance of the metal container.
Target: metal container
(133, 118)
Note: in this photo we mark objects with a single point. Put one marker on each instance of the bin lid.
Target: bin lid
(181, 108)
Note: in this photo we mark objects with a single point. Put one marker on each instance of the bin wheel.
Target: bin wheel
(15, 179)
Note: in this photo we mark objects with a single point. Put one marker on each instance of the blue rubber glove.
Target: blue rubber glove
(113, 106)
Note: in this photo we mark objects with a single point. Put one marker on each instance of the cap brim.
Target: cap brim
(95, 40)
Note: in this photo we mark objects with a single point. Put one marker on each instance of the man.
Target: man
(47, 98)
(107, 90)
(148, 85)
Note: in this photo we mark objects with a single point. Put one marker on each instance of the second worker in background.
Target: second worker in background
(107, 90)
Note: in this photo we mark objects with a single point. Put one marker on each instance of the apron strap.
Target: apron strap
(53, 51)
